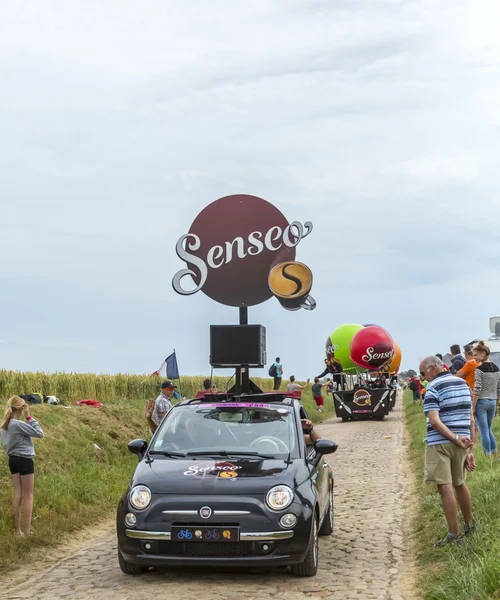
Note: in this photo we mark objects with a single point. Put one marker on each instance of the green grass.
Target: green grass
(75, 485)
(470, 571)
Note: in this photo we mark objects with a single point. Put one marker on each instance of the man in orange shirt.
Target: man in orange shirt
(468, 371)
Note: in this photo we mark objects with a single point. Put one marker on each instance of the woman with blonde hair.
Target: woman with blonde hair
(486, 396)
(16, 438)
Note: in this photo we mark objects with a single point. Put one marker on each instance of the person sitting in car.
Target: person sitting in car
(310, 436)
(378, 384)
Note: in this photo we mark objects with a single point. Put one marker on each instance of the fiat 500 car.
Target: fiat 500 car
(228, 482)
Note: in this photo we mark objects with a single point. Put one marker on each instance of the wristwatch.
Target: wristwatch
(307, 431)
(456, 438)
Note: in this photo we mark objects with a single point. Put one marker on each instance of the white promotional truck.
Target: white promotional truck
(493, 341)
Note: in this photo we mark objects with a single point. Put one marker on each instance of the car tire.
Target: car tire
(309, 566)
(344, 419)
(327, 525)
(379, 418)
(129, 568)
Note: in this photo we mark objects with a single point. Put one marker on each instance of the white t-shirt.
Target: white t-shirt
(292, 387)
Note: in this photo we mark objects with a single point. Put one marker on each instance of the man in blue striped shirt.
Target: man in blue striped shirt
(448, 406)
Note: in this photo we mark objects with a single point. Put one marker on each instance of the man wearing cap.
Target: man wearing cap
(155, 412)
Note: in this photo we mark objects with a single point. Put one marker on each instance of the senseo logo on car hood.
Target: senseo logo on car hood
(231, 248)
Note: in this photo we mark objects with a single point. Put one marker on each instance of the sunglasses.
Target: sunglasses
(425, 370)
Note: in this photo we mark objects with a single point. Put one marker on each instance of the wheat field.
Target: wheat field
(72, 387)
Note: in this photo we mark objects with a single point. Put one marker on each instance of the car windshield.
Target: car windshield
(254, 429)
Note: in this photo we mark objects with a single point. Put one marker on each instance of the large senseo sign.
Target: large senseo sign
(233, 246)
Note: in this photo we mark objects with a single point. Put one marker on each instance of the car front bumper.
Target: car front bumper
(257, 549)
(248, 536)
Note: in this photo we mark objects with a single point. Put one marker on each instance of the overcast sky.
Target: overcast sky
(377, 120)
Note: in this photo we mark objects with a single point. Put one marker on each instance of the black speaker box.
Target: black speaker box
(237, 345)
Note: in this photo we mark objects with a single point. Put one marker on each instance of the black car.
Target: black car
(228, 481)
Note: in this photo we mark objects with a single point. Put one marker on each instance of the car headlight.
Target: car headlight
(131, 520)
(279, 497)
(288, 520)
(140, 497)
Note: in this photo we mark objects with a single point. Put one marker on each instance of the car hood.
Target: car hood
(165, 475)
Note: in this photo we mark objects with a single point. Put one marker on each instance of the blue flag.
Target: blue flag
(172, 367)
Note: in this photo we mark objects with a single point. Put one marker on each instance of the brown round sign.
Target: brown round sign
(232, 246)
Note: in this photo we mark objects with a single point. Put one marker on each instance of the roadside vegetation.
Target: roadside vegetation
(77, 484)
(470, 571)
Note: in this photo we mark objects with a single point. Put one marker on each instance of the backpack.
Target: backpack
(413, 386)
(32, 398)
(273, 372)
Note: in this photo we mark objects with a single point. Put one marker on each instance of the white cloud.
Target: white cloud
(375, 119)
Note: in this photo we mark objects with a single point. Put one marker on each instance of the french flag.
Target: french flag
(168, 368)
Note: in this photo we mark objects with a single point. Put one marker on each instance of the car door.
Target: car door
(318, 471)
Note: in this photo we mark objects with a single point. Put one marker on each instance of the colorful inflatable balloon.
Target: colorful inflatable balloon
(372, 348)
(396, 360)
(339, 343)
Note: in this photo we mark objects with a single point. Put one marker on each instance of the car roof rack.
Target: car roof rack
(222, 397)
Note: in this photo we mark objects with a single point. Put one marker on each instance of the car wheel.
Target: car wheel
(129, 568)
(379, 418)
(309, 566)
(327, 525)
(344, 419)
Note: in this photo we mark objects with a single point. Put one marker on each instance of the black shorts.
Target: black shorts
(22, 465)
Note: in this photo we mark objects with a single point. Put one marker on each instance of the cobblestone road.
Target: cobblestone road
(362, 559)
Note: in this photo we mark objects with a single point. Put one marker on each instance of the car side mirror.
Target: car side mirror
(325, 446)
(138, 447)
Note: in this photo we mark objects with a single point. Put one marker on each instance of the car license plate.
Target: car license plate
(205, 534)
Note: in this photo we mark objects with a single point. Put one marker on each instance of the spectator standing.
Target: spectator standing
(457, 359)
(317, 395)
(448, 407)
(413, 386)
(468, 371)
(294, 387)
(155, 411)
(208, 388)
(486, 396)
(16, 438)
(278, 373)
(423, 389)
(330, 386)
(445, 367)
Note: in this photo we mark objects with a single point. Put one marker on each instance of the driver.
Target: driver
(184, 437)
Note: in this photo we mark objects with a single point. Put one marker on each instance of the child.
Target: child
(16, 437)
(316, 392)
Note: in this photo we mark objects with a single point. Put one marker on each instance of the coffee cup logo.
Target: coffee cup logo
(290, 282)
(362, 398)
